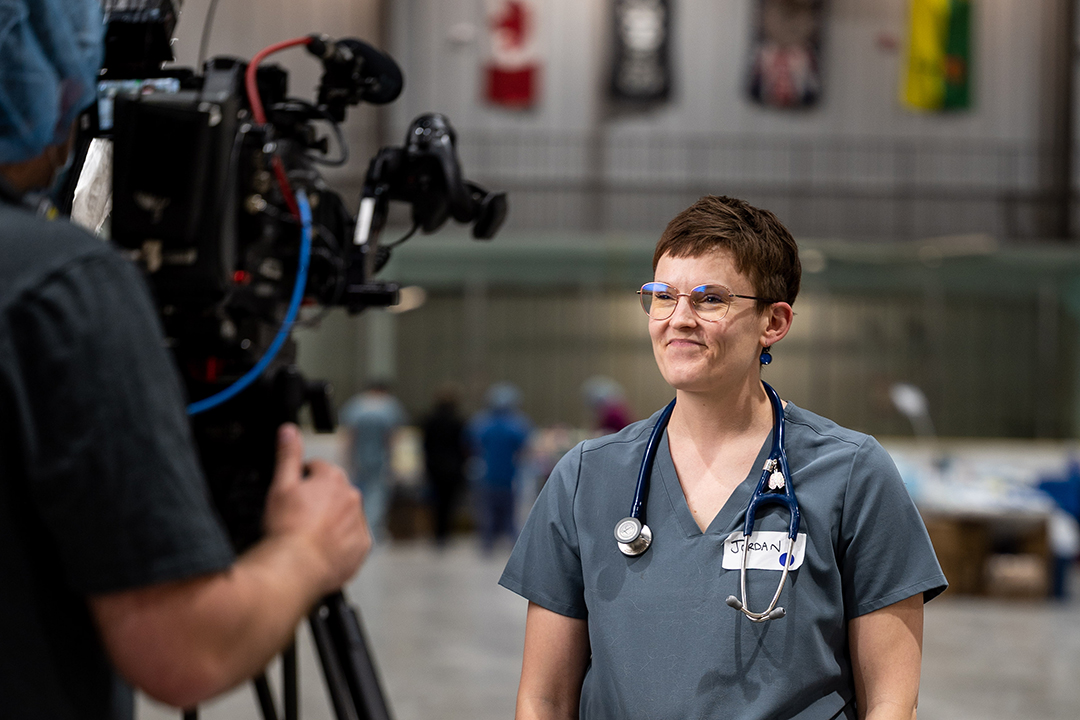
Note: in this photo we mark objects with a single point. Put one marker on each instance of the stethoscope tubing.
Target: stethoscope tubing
(768, 614)
(634, 537)
(777, 461)
(645, 472)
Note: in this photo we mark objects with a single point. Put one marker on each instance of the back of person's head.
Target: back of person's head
(50, 55)
(378, 385)
(503, 397)
(448, 394)
(760, 245)
(599, 390)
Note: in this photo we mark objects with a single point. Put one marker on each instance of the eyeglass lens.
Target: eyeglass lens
(710, 302)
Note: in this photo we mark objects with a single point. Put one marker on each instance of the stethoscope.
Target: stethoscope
(774, 487)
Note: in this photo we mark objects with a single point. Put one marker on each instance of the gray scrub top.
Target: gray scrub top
(664, 644)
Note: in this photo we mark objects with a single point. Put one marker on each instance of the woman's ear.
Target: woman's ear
(779, 316)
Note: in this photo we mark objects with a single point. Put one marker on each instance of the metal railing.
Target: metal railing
(864, 188)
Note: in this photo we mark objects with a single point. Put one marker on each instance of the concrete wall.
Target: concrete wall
(863, 52)
(991, 340)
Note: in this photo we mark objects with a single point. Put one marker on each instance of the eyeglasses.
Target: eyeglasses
(710, 302)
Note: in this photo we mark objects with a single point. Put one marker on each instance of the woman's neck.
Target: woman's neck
(719, 416)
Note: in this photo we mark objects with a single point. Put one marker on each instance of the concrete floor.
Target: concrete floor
(447, 640)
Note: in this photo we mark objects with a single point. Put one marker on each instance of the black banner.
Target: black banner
(641, 70)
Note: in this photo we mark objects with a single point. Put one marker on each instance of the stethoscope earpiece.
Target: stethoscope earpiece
(632, 536)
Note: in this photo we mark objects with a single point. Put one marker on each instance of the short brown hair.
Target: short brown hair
(762, 247)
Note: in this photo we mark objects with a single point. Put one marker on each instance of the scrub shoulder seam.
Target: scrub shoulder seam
(603, 442)
(858, 441)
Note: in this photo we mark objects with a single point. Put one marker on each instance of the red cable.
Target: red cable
(283, 183)
(249, 77)
(259, 115)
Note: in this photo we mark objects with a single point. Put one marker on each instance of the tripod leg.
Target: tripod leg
(336, 685)
(341, 636)
(265, 697)
(289, 680)
(352, 648)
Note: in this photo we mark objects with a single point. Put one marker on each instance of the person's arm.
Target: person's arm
(553, 667)
(184, 642)
(886, 655)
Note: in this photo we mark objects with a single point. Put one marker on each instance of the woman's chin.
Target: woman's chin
(687, 381)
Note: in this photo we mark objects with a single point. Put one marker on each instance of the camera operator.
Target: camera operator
(112, 561)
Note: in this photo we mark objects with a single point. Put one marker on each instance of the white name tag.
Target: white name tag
(768, 551)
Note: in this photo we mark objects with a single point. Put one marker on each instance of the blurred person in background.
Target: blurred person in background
(614, 631)
(370, 419)
(607, 402)
(114, 567)
(446, 450)
(499, 436)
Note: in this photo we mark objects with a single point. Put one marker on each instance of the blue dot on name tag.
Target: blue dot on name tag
(784, 560)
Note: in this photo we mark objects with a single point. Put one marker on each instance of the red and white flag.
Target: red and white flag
(512, 73)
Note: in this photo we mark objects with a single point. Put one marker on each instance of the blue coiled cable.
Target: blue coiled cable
(290, 316)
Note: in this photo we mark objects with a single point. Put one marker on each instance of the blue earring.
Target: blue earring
(766, 358)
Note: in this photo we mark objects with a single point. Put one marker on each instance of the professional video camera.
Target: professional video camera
(217, 195)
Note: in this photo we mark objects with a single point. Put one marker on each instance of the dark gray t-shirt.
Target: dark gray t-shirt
(664, 643)
(100, 486)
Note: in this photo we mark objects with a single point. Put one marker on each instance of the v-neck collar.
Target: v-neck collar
(732, 511)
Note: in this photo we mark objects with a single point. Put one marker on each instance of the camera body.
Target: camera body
(197, 203)
(209, 174)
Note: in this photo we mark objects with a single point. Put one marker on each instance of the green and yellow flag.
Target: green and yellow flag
(938, 71)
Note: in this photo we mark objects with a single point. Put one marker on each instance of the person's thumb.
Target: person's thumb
(290, 455)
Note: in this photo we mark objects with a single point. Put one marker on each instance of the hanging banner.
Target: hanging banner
(937, 75)
(512, 73)
(640, 72)
(785, 66)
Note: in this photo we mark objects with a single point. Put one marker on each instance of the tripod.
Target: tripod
(236, 442)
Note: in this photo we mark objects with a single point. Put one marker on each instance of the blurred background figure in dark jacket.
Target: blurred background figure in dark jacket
(445, 452)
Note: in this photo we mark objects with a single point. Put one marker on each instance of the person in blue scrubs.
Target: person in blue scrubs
(500, 435)
(612, 636)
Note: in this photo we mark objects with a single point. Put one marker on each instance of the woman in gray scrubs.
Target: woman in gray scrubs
(611, 636)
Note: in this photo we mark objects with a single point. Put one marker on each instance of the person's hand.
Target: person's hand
(320, 509)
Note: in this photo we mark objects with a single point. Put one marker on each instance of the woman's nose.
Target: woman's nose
(684, 312)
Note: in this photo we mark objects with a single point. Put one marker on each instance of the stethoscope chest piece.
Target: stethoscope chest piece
(633, 537)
